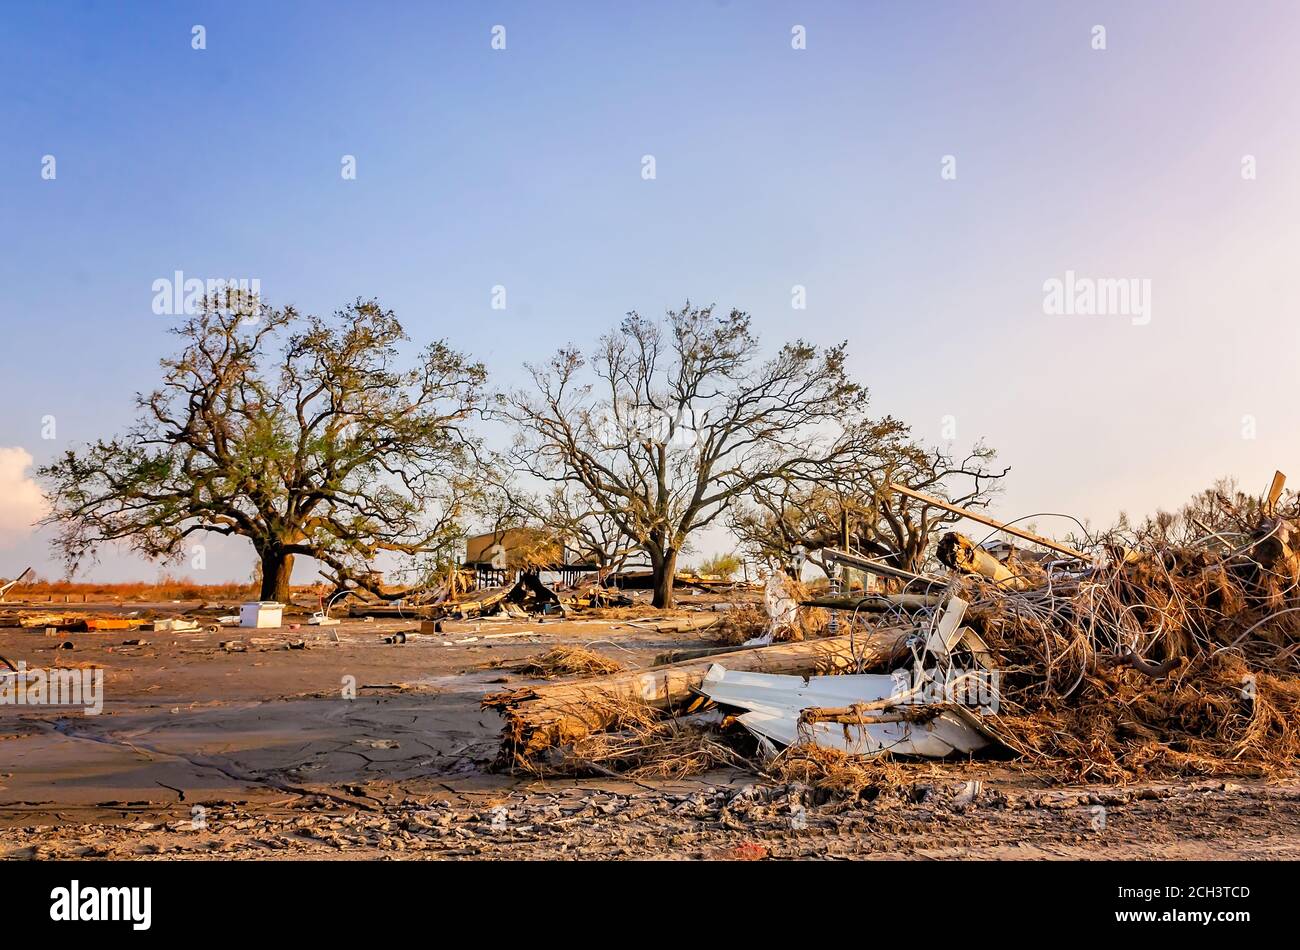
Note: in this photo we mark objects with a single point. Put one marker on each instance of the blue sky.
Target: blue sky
(774, 167)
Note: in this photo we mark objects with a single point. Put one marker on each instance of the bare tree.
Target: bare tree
(850, 506)
(326, 449)
(589, 532)
(563, 519)
(668, 423)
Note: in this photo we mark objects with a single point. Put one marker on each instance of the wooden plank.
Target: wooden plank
(991, 522)
(1275, 491)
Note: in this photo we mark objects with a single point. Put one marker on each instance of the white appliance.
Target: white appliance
(261, 613)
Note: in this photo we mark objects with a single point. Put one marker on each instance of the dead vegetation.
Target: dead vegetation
(741, 623)
(836, 774)
(648, 747)
(166, 588)
(568, 661)
(1171, 664)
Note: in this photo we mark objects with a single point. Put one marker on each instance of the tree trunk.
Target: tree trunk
(664, 571)
(277, 567)
(962, 554)
(559, 713)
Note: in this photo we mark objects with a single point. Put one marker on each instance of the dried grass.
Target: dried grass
(568, 661)
(642, 745)
(836, 774)
(166, 588)
(1215, 717)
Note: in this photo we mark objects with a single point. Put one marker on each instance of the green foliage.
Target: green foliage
(725, 566)
(306, 435)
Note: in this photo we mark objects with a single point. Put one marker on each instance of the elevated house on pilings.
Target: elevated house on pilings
(498, 558)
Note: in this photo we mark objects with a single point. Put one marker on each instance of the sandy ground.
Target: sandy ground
(201, 752)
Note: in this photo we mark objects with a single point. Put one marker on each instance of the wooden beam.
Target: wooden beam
(991, 522)
(1275, 492)
(960, 553)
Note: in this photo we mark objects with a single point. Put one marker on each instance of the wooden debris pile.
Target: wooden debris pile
(1118, 658)
(71, 621)
(526, 596)
(1154, 659)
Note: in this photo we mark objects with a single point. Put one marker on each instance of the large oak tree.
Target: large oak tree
(665, 424)
(306, 435)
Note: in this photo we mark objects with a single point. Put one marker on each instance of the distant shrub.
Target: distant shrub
(725, 566)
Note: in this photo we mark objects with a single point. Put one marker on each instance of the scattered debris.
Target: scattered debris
(175, 625)
(859, 714)
(72, 622)
(6, 588)
(1140, 658)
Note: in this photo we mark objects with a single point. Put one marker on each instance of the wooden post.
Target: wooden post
(962, 554)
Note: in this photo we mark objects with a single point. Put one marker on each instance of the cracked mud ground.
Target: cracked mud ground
(202, 752)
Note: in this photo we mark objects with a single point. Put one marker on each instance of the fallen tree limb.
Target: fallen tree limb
(557, 714)
(862, 714)
(1148, 667)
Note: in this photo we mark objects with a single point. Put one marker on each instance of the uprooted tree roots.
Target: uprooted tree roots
(835, 774)
(1214, 717)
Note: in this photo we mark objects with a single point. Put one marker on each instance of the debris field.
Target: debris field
(1033, 699)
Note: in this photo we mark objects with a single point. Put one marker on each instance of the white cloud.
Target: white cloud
(21, 501)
